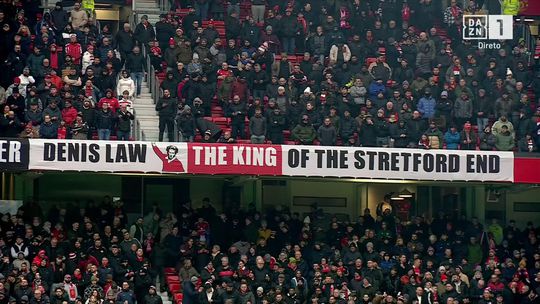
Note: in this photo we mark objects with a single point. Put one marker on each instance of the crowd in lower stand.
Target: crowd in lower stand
(93, 255)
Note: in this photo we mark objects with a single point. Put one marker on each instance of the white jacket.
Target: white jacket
(125, 84)
(87, 60)
(25, 82)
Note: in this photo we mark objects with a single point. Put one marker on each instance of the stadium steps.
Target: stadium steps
(146, 115)
(149, 8)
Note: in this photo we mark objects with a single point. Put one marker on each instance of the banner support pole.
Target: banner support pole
(11, 186)
(3, 185)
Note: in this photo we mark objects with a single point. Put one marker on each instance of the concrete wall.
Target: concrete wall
(524, 196)
(78, 186)
(346, 190)
(201, 187)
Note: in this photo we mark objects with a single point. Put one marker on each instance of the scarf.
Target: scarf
(54, 60)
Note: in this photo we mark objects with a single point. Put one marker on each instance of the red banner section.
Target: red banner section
(526, 170)
(530, 8)
(234, 159)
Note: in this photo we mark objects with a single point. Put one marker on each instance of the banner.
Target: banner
(406, 164)
(530, 8)
(264, 160)
(108, 156)
(14, 154)
(235, 159)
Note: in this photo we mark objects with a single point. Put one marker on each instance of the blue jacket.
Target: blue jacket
(125, 296)
(48, 130)
(426, 106)
(375, 88)
(452, 140)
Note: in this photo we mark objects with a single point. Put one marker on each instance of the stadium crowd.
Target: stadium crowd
(93, 255)
(359, 73)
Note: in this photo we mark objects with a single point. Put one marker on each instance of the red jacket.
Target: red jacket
(113, 103)
(75, 51)
(57, 81)
(69, 115)
(62, 132)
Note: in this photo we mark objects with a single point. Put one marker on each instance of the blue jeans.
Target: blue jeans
(104, 134)
(138, 78)
(201, 10)
(122, 135)
(289, 45)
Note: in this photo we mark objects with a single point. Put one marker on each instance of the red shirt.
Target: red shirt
(113, 103)
(69, 115)
(224, 73)
(173, 165)
(75, 51)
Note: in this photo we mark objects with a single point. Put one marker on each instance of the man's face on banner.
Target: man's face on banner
(171, 154)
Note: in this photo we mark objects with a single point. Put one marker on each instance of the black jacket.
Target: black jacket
(124, 120)
(125, 41)
(144, 34)
(136, 63)
(104, 120)
(166, 107)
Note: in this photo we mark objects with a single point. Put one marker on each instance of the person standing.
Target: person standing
(104, 122)
(125, 41)
(257, 127)
(124, 122)
(144, 33)
(166, 107)
(136, 65)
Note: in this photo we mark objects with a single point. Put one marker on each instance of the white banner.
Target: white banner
(410, 164)
(108, 156)
(275, 160)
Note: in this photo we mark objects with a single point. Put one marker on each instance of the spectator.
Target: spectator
(144, 33)
(124, 123)
(125, 83)
(527, 144)
(257, 127)
(136, 64)
(504, 139)
(468, 137)
(327, 133)
(487, 140)
(304, 131)
(48, 129)
(426, 105)
(166, 107)
(237, 111)
(452, 138)
(435, 136)
(104, 122)
(186, 123)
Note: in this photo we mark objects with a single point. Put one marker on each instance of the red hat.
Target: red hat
(17, 80)
(171, 41)
(211, 22)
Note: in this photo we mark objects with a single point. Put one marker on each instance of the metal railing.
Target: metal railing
(164, 5)
(153, 81)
